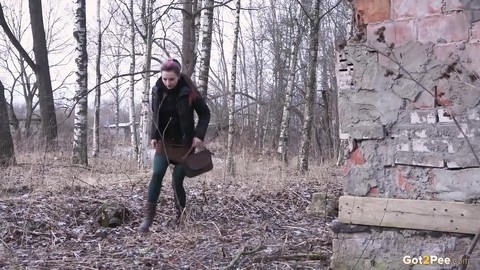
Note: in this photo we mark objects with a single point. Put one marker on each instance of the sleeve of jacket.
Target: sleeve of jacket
(203, 112)
(154, 134)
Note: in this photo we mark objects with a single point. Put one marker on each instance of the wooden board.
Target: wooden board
(410, 214)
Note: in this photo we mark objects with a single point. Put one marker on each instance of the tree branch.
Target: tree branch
(243, 252)
(15, 42)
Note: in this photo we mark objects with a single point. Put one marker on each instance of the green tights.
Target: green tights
(160, 165)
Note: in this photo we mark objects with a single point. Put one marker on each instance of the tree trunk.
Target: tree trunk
(145, 121)
(188, 38)
(231, 103)
(96, 119)
(311, 89)
(44, 82)
(117, 102)
(197, 5)
(116, 91)
(80, 132)
(7, 151)
(206, 48)
(285, 125)
(131, 98)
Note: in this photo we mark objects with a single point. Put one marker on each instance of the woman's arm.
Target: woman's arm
(203, 112)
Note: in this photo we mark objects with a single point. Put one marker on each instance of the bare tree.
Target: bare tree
(206, 47)
(44, 82)
(231, 100)
(131, 98)
(41, 69)
(96, 119)
(188, 36)
(80, 154)
(285, 125)
(7, 152)
(147, 16)
(311, 87)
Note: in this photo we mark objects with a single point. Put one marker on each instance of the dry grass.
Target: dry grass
(49, 210)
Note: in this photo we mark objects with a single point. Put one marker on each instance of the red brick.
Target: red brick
(475, 32)
(444, 93)
(452, 27)
(357, 157)
(408, 187)
(389, 32)
(404, 32)
(346, 168)
(453, 5)
(373, 192)
(371, 11)
(402, 181)
(415, 8)
(399, 32)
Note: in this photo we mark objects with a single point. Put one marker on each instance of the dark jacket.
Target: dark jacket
(187, 101)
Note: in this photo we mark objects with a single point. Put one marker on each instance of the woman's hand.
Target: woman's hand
(197, 142)
(154, 143)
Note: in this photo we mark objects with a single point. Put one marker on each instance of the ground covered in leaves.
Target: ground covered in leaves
(51, 215)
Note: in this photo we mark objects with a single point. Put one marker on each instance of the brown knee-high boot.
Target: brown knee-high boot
(150, 210)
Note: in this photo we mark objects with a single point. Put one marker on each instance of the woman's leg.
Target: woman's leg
(160, 165)
(178, 176)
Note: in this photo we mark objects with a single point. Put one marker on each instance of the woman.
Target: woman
(174, 99)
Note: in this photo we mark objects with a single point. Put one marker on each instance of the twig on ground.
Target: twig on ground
(243, 252)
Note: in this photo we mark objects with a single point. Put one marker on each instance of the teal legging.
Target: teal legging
(160, 165)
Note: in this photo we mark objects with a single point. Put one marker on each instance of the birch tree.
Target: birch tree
(81, 109)
(147, 15)
(131, 98)
(231, 100)
(205, 52)
(7, 151)
(96, 119)
(285, 124)
(310, 97)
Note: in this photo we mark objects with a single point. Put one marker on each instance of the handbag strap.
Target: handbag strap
(190, 150)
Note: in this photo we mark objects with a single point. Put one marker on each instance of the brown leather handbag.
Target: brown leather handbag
(197, 163)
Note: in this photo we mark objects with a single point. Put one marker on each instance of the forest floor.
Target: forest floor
(50, 212)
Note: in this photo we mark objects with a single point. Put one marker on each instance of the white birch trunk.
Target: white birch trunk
(96, 119)
(197, 5)
(285, 125)
(80, 128)
(311, 89)
(131, 96)
(205, 52)
(145, 115)
(231, 100)
(117, 103)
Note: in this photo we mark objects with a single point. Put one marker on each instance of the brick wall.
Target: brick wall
(406, 144)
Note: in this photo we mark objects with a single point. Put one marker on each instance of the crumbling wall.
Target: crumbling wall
(408, 67)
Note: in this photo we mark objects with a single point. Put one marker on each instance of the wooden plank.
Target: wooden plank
(410, 214)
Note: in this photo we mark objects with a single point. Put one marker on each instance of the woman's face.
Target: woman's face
(170, 79)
